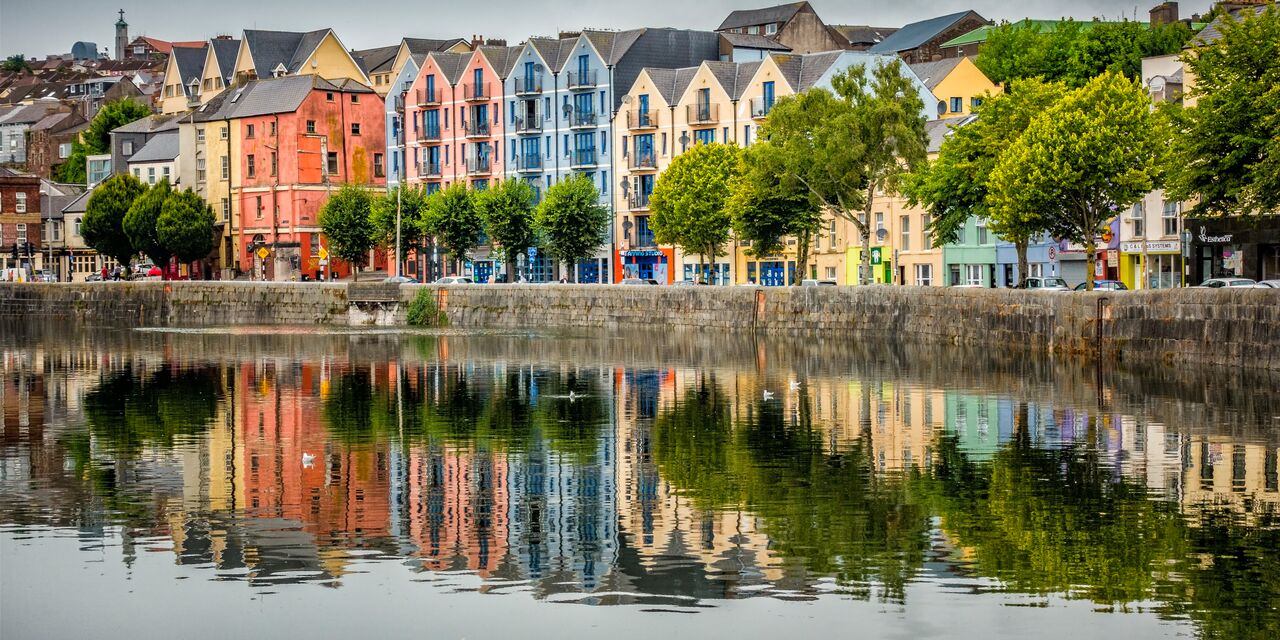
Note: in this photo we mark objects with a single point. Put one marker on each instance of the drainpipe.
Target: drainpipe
(613, 201)
(555, 139)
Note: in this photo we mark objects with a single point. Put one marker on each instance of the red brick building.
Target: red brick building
(19, 217)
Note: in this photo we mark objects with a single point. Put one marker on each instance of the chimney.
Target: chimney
(496, 42)
(476, 41)
(1165, 13)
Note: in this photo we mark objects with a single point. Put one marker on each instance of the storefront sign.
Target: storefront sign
(642, 253)
(1158, 246)
(1205, 238)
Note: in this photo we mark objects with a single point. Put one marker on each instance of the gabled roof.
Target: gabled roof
(803, 72)
(150, 124)
(376, 60)
(917, 33)
(733, 76)
(266, 96)
(752, 41)
(452, 65)
(224, 53)
(932, 73)
(937, 130)
(58, 122)
(79, 204)
(160, 148)
(31, 113)
(164, 46)
(190, 61)
(554, 51)
(612, 45)
(1213, 32)
(860, 34)
(306, 46)
(427, 45)
(271, 49)
(502, 59)
(752, 17)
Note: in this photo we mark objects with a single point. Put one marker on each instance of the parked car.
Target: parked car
(1104, 285)
(1046, 284)
(45, 276)
(1273, 284)
(1219, 283)
(817, 283)
(455, 280)
(689, 283)
(401, 280)
(638, 281)
(93, 277)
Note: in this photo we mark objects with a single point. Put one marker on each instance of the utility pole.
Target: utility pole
(397, 273)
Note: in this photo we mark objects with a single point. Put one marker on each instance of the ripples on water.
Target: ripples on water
(889, 487)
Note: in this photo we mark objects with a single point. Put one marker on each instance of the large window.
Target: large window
(20, 202)
(905, 222)
(973, 274)
(1170, 218)
(982, 232)
(924, 275)
(1138, 215)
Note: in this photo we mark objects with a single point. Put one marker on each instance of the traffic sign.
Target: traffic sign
(876, 258)
(324, 253)
(533, 252)
(263, 253)
(1053, 253)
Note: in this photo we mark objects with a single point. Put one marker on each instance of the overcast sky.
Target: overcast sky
(41, 27)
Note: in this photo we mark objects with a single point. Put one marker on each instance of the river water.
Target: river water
(276, 482)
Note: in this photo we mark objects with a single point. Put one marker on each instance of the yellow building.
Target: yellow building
(270, 54)
(957, 83)
(182, 76)
(383, 64)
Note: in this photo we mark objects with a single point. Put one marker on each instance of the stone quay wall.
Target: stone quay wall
(1178, 326)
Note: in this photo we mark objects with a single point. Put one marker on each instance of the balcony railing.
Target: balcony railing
(529, 162)
(428, 97)
(581, 80)
(639, 202)
(397, 137)
(479, 166)
(428, 134)
(642, 120)
(703, 113)
(531, 124)
(760, 108)
(528, 85)
(583, 118)
(472, 91)
(476, 128)
(429, 169)
(642, 161)
(399, 102)
(582, 158)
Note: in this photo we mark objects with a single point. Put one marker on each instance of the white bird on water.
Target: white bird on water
(572, 396)
(308, 460)
(768, 395)
(795, 385)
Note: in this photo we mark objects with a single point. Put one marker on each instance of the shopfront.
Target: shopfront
(648, 264)
(1154, 264)
(1232, 247)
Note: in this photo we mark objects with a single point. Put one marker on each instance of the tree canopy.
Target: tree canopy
(140, 222)
(15, 63)
(688, 201)
(452, 219)
(345, 221)
(765, 208)
(1075, 52)
(506, 208)
(185, 226)
(571, 220)
(96, 139)
(103, 222)
(413, 205)
(1226, 151)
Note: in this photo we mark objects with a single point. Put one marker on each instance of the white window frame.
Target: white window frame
(22, 232)
(1138, 216)
(973, 274)
(20, 202)
(1170, 215)
(905, 231)
(64, 150)
(126, 147)
(924, 275)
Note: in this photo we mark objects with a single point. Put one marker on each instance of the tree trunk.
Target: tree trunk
(802, 256)
(511, 266)
(355, 272)
(865, 277)
(1020, 245)
(1091, 254)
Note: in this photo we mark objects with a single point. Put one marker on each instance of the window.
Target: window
(1138, 216)
(355, 128)
(924, 275)
(973, 274)
(165, 172)
(974, 103)
(378, 170)
(22, 232)
(704, 136)
(126, 147)
(226, 209)
(328, 96)
(259, 207)
(199, 169)
(925, 242)
(754, 30)
(831, 273)
(273, 127)
(199, 136)
(274, 164)
(20, 204)
(248, 130)
(905, 223)
(311, 126)
(64, 151)
(1170, 217)
(151, 175)
(957, 105)
(771, 28)
(333, 163)
(251, 166)
(226, 167)
(355, 98)
(137, 173)
(879, 222)
(223, 133)
(982, 232)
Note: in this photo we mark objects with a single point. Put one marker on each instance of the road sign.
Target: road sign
(1053, 253)
(533, 252)
(876, 258)
(324, 253)
(263, 253)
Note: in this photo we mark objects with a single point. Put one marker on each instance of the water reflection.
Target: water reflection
(646, 470)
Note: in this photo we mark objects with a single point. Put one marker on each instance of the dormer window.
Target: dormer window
(770, 29)
(280, 71)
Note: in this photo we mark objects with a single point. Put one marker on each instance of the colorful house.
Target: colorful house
(182, 76)
(957, 84)
(273, 54)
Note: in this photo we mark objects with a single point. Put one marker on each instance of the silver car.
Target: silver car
(1046, 284)
(1220, 283)
(454, 280)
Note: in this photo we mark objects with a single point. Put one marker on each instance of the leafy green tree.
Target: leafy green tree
(507, 211)
(688, 201)
(413, 205)
(955, 188)
(345, 221)
(1226, 154)
(571, 220)
(185, 226)
(103, 223)
(765, 209)
(1075, 52)
(96, 139)
(140, 222)
(16, 63)
(845, 148)
(452, 219)
(1096, 151)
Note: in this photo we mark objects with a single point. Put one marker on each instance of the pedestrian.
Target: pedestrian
(104, 272)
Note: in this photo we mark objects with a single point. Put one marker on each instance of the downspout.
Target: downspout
(555, 139)
(613, 142)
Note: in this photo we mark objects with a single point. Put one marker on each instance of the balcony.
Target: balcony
(639, 202)
(528, 85)
(582, 158)
(479, 166)
(397, 137)
(531, 124)
(472, 92)
(429, 170)
(647, 161)
(476, 129)
(580, 80)
(528, 162)
(399, 103)
(428, 134)
(637, 120)
(703, 113)
(760, 109)
(427, 98)
(582, 119)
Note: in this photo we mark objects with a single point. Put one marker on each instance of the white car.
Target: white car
(1046, 284)
(1271, 284)
(454, 280)
(1221, 283)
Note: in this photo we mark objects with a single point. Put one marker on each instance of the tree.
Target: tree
(572, 220)
(140, 222)
(765, 209)
(452, 219)
(96, 139)
(413, 205)
(185, 226)
(507, 211)
(16, 63)
(344, 219)
(1075, 52)
(1093, 153)
(103, 223)
(845, 148)
(688, 201)
(1226, 154)
(955, 186)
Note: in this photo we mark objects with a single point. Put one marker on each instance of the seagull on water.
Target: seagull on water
(572, 396)
(768, 395)
(308, 460)
(795, 385)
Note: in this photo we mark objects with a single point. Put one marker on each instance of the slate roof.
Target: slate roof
(224, 53)
(160, 148)
(932, 73)
(803, 72)
(190, 62)
(376, 60)
(31, 113)
(452, 65)
(502, 59)
(671, 83)
(938, 130)
(1213, 32)
(149, 124)
(427, 45)
(859, 34)
(554, 51)
(612, 45)
(917, 33)
(752, 17)
(752, 41)
(265, 96)
(270, 49)
(79, 204)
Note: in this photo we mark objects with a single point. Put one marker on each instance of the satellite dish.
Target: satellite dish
(537, 68)
(625, 186)
(942, 108)
(881, 234)
(626, 225)
(1157, 84)
(684, 139)
(567, 109)
(626, 99)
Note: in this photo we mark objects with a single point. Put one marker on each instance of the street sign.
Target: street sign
(263, 253)
(533, 252)
(876, 258)
(1053, 253)
(324, 253)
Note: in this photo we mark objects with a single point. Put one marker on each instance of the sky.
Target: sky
(36, 29)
